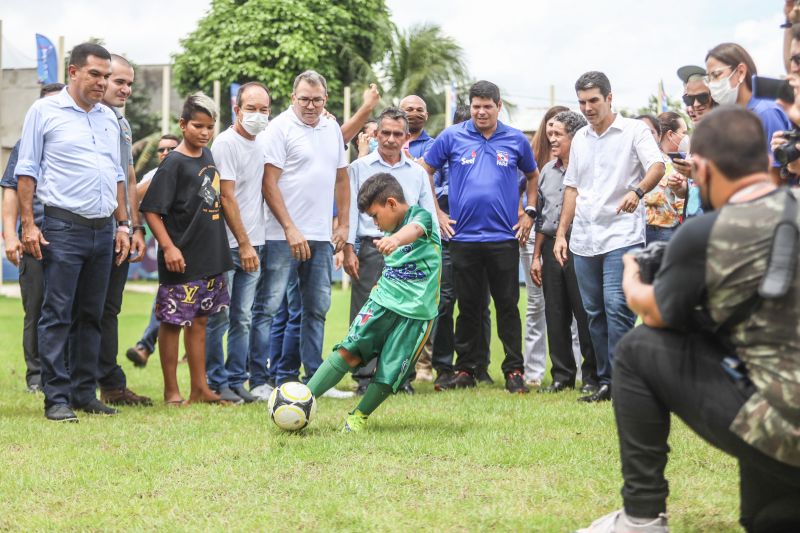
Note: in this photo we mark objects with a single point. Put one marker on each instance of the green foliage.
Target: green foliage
(272, 41)
(654, 108)
(423, 61)
(468, 460)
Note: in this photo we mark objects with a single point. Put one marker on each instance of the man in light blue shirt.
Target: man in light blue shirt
(69, 154)
(366, 265)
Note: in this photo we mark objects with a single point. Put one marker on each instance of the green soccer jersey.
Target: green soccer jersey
(409, 283)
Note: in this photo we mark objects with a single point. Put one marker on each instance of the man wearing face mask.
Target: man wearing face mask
(719, 341)
(239, 157)
(730, 70)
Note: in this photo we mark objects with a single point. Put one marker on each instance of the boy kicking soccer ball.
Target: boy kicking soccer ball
(396, 320)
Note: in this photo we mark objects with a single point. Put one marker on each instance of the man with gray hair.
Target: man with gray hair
(362, 261)
(559, 283)
(306, 167)
(614, 162)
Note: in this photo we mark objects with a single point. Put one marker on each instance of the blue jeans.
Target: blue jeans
(150, 335)
(284, 337)
(600, 283)
(314, 277)
(236, 321)
(77, 266)
(657, 233)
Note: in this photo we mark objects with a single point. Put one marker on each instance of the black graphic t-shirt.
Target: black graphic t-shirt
(185, 192)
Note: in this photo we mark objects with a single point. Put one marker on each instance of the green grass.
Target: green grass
(458, 461)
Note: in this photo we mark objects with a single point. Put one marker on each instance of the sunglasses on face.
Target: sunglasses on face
(165, 150)
(702, 99)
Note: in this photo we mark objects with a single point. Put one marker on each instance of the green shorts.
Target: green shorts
(394, 339)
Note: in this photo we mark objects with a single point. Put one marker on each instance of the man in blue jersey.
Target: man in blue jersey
(486, 227)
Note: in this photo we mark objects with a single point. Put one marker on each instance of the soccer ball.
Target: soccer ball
(292, 406)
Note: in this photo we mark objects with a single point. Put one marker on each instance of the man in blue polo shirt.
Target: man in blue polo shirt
(486, 227)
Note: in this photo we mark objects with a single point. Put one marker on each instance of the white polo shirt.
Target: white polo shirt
(602, 168)
(242, 160)
(309, 157)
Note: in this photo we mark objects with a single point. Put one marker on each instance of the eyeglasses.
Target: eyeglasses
(164, 149)
(795, 59)
(716, 74)
(304, 101)
(702, 99)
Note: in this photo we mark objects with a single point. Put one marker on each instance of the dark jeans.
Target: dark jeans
(563, 301)
(658, 372)
(77, 266)
(109, 374)
(475, 263)
(442, 332)
(657, 233)
(150, 334)
(31, 286)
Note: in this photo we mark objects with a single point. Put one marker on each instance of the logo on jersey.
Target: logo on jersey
(471, 161)
(407, 272)
(364, 316)
(502, 159)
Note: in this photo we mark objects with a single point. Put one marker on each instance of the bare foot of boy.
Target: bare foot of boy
(208, 396)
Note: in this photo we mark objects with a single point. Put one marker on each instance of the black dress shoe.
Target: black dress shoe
(444, 380)
(406, 388)
(557, 386)
(60, 413)
(589, 388)
(96, 407)
(603, 394)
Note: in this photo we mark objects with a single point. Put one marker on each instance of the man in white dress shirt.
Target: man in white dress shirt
(614, 162)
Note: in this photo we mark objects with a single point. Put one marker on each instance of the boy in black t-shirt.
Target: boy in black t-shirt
(182, 207)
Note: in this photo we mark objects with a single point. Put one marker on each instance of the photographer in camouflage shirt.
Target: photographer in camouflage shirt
(723, 359)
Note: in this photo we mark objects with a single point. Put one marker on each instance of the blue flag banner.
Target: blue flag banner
(234, 91)
(46, 60)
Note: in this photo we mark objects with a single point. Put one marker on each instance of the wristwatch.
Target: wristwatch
(531, 211)
(639, 192)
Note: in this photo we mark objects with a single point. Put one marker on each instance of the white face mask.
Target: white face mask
(684, 145)
(722, 92)
(254, 123)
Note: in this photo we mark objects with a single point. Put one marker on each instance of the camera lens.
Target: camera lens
(786, 153)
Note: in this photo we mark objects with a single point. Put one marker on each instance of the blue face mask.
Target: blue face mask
(373, 144)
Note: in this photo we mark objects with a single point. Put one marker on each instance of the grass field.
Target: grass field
(474, 460)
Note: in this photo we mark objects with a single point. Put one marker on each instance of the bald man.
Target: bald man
(417, 112)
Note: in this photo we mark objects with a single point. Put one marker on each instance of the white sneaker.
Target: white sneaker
(618, 522)
(337, 394)
(262, 392)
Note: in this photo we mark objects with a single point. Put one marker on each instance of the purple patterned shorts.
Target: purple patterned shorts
(179, 304)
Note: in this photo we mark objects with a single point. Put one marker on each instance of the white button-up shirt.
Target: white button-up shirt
(308, 157)
(412, 177)
(73, 155)
(602, 168)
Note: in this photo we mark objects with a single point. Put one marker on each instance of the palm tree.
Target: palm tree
(423, 61)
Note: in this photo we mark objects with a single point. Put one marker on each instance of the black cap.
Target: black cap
(687, 71)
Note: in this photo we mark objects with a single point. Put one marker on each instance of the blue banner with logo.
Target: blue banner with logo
(234, 92)
(46, 60)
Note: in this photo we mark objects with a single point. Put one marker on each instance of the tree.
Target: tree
(654, 108)
(274, 40)
(423, 61)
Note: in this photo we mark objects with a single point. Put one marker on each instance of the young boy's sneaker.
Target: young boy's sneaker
(227, 395)
(354, 423)
(515, 383)
(138, 355)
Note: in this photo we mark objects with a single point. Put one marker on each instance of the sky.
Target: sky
(524, 46)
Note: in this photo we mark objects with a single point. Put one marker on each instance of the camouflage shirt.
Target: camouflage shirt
(768, 342)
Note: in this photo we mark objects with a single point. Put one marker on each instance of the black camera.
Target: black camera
(649, 260)
(788, 152)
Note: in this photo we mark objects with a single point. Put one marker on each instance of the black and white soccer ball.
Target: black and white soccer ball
(292, 406)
